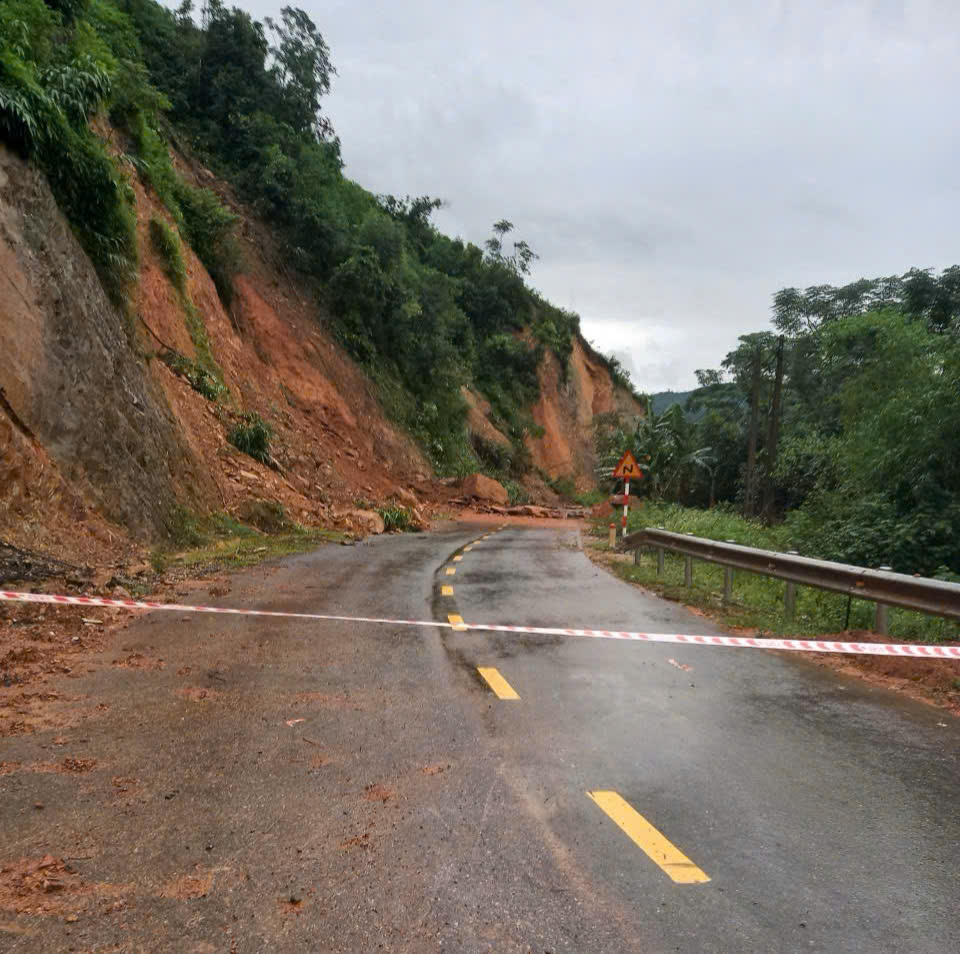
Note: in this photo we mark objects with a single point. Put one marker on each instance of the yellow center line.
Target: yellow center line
(457, 622)
(467, 549)
(457, 559)
(451, 570)
(446, 590)
(657, 848)
(502, 689)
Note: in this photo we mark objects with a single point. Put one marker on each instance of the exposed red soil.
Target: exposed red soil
(199, 694)
(930, 680)
(356, 841)
(379, 793)
(566, 410)
(188, 887)
(496, 520)
(50, 886)
(139, 661)
(69, 766)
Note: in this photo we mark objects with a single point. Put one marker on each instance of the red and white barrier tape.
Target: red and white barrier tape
(740, 642)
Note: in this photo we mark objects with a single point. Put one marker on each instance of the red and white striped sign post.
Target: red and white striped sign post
(626, 468)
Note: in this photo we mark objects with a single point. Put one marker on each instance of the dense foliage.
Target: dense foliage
(857, 447)
(427, 315)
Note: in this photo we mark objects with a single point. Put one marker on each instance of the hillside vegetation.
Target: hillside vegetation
(426, 315)
(843, 423)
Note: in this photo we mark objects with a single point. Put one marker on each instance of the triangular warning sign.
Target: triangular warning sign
(627, 468)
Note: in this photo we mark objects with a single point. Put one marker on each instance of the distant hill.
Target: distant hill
(663, 400)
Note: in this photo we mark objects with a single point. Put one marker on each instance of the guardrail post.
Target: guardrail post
(790, 595)
(636, 557)
(659, 561)
(688, 571)
(881, 613)
(790, 600)
(728, 582)
(613, 535)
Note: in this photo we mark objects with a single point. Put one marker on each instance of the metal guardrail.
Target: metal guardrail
(882, 586)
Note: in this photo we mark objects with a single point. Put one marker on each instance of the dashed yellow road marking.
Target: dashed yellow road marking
(657, 848)
(446, 590)
(502, 689)
(451, 570)
(456, 621)
(457, 558)
(467, 549)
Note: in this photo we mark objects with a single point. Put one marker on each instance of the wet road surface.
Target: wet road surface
(292, 786)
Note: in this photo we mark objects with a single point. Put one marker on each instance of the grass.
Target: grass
(758, 601)
(242, 550)
(591, 497)
(396, 518)
(167, 243)
(221, 541)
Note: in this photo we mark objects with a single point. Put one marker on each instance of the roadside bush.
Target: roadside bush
(182, 528)
(395, 518)
(516, 494)
(251, 435)
(563, 486)
(591, 497)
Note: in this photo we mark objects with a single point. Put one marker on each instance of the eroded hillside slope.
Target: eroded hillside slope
(102, 440)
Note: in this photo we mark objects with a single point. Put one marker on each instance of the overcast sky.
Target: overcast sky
(673, 163)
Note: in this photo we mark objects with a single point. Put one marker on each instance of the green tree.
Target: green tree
(302, 70)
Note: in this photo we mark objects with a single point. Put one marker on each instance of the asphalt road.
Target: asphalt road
(290, 786)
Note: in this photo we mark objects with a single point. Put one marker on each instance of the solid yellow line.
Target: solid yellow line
(446, 590)
(457, 559)
(658, 849)
(457, 622)
(497, 683)
(451, 570)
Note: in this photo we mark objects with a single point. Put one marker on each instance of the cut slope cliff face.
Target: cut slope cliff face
(567, 408)
(100, 439)
(81, 426)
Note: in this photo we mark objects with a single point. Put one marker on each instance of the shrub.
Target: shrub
(395, 518)
(516, 493)
(182, 528)
(209, 230)
(251, 435)
(563, 487)
(201, 380)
